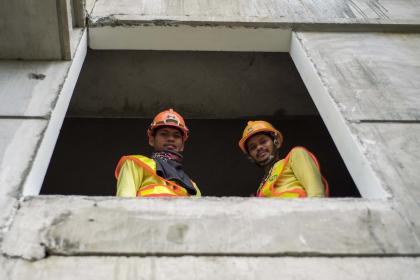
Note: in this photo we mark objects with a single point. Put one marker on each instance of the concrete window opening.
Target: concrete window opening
(118, 92)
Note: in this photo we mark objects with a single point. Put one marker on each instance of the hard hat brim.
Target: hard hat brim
(184, 130)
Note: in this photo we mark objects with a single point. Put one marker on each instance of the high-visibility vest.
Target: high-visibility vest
(164, 188)
(268, 187)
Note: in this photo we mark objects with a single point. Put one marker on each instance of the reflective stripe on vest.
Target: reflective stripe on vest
(153, 190)
(268, 190)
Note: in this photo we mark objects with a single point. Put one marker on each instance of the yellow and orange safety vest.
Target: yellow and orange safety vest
(151, 184)
(272, 186)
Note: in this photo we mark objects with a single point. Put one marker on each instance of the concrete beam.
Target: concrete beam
(39, 167)
(190, 38)
(207, 226)
(114, 268)
(307, 14)
(233, 25)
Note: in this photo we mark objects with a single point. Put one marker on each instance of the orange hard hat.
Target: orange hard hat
(168, 118)
(254, 127)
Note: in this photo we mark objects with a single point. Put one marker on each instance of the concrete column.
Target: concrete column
(36, 30)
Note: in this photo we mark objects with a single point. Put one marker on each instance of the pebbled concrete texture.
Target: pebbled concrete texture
(189, 267)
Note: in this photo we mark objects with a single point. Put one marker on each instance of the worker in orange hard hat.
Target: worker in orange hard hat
(162, 174)
(297, 175)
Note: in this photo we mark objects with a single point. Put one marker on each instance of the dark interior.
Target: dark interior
(88, 150)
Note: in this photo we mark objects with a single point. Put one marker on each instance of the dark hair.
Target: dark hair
(269, 134)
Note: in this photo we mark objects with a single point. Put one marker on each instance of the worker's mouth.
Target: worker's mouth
(262, 154)
(169, 147)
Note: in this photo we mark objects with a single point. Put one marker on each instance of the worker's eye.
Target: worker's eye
(252, 147)
(163, 133)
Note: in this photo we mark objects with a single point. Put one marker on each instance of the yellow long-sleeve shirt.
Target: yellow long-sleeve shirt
(299, 173)
(132, 178)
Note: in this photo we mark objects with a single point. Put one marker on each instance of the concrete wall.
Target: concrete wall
(29, 29)
(198, 84)
(87, 237)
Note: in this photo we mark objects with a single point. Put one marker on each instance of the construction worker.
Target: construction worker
(162, 174)
(297, 175)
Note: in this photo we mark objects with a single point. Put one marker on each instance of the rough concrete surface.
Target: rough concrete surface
(19, 140)
(242, 238)
(371, 76)
(87, 268)
(373, 80)
(215, 226)
(29, 30)
(30, 89)
(281, 13)
(8, 206)
(392, 149)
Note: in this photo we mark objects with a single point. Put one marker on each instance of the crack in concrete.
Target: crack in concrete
(240, 255)
(10, 117)
(385, 121)
(8, 224)
(410, 224)
(369, 222)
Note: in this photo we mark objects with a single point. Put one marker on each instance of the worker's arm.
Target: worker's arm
(129, 179)
(306, 172)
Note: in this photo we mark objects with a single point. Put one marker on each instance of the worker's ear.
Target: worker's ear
(152, 141)
(277, 143)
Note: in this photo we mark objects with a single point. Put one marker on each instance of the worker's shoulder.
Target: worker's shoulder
(139, 161)
(299, 150)
(136, 158)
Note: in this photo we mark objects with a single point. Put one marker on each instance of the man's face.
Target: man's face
(261, 147)
(167, 138)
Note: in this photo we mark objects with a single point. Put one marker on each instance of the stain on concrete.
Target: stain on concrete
(61, 218)
(177, 233)
(36, 76)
